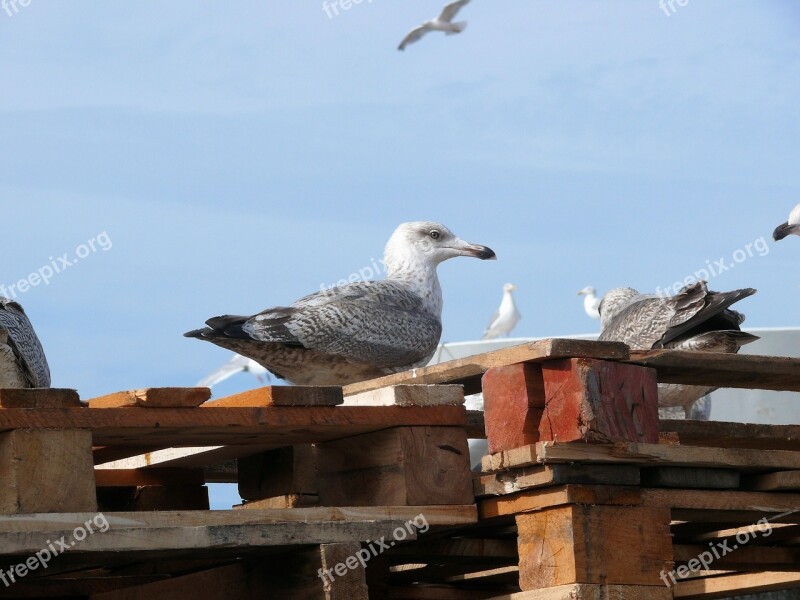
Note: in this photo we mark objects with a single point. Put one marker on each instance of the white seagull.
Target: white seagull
(237, 364)
(791, 227)
(591, 303)
(356, 331)
(506, 317)
(441, 23)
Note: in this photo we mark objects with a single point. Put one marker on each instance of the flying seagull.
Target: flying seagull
(506, 317)
(356, 331)
(695, 319)
(591, 303)
(237, 364)
(791, 227)
(441, 23)
(22, 360)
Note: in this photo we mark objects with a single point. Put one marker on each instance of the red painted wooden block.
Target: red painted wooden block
(599, 401)
(513, 399)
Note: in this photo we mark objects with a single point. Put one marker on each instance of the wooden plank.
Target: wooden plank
(476, 428)
(435, 516)
(46, 471)
(740, 557)
(409, 395)
(193, 457)
(457, 550)
(155, 476)
(77, 586)
(720, 434)
(778, 481)
(513, 398)
(278, 472)
(165, 397)
(403, 465)
(133, 538)
(517, 480)
(598, 401)
(689, 477)
(285, 501)
(581, 544)
(740, 583)
(281, 395)
(342, 576)
(643, 454)
(39, 398)
(538, 499)
(717, 500)
(722, 370)
(468, 371)
(263, 426)
(586, 591)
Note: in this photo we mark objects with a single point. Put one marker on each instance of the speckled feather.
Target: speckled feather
(23, 348)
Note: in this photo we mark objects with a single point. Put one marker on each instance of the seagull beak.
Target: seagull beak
(482, 252)
(781, 231)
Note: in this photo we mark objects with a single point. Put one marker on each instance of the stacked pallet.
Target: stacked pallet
(365, 492)
(587, 495)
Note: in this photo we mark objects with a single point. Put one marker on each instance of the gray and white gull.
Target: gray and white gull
(506, 317)
(791, 227)
(237, 364)
(695, 319)
(356, 331)
(591, 303)
(444, 22)
(23, 363)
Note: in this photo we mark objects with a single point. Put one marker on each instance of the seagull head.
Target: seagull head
(588, 290)
(509, 287)
(430, 243)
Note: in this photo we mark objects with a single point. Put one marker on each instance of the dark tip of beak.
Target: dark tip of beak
(486, 254)
(781, 231)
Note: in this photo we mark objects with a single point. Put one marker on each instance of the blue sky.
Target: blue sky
(239, 155)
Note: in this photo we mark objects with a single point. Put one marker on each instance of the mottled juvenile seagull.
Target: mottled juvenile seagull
(22, 360)
(356, 331)
(506, 317)
(441, 23)
(695, 319)
(791, 227)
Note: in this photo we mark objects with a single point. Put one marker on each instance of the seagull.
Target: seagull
(695, 319)
(356, 331)
(22, 360)
(791, 227)
(237, 364)
(506, 317)
(441, 23)
(591, 303)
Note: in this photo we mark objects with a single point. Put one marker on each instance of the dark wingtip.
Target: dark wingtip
(781, 231)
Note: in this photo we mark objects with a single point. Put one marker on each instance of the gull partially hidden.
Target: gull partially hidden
(791, 227)
(23, 363)
(506, 317)
(441, 23)
(356, 331)
(237, 364)
(695, 319)
(591, 303)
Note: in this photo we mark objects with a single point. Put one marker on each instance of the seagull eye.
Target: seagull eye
(435, 235)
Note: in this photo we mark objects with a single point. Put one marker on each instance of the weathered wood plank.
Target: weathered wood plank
(155, 476)
(39, 398)
(410, 395)
(281, 395)
(278, 472)
(771, 482)
(708, 588)
(468, 371)
(513, 398)
(586, 591)
(642, 454)
(517, 480)
(722, 370)
(549, 497)
(691, 477)
(720, 434)
(165, 397)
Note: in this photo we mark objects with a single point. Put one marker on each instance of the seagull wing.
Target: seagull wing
(23, 340)
(451, 10)
(235, 365)
(489, 327)
(381, 323)
(414, 36)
